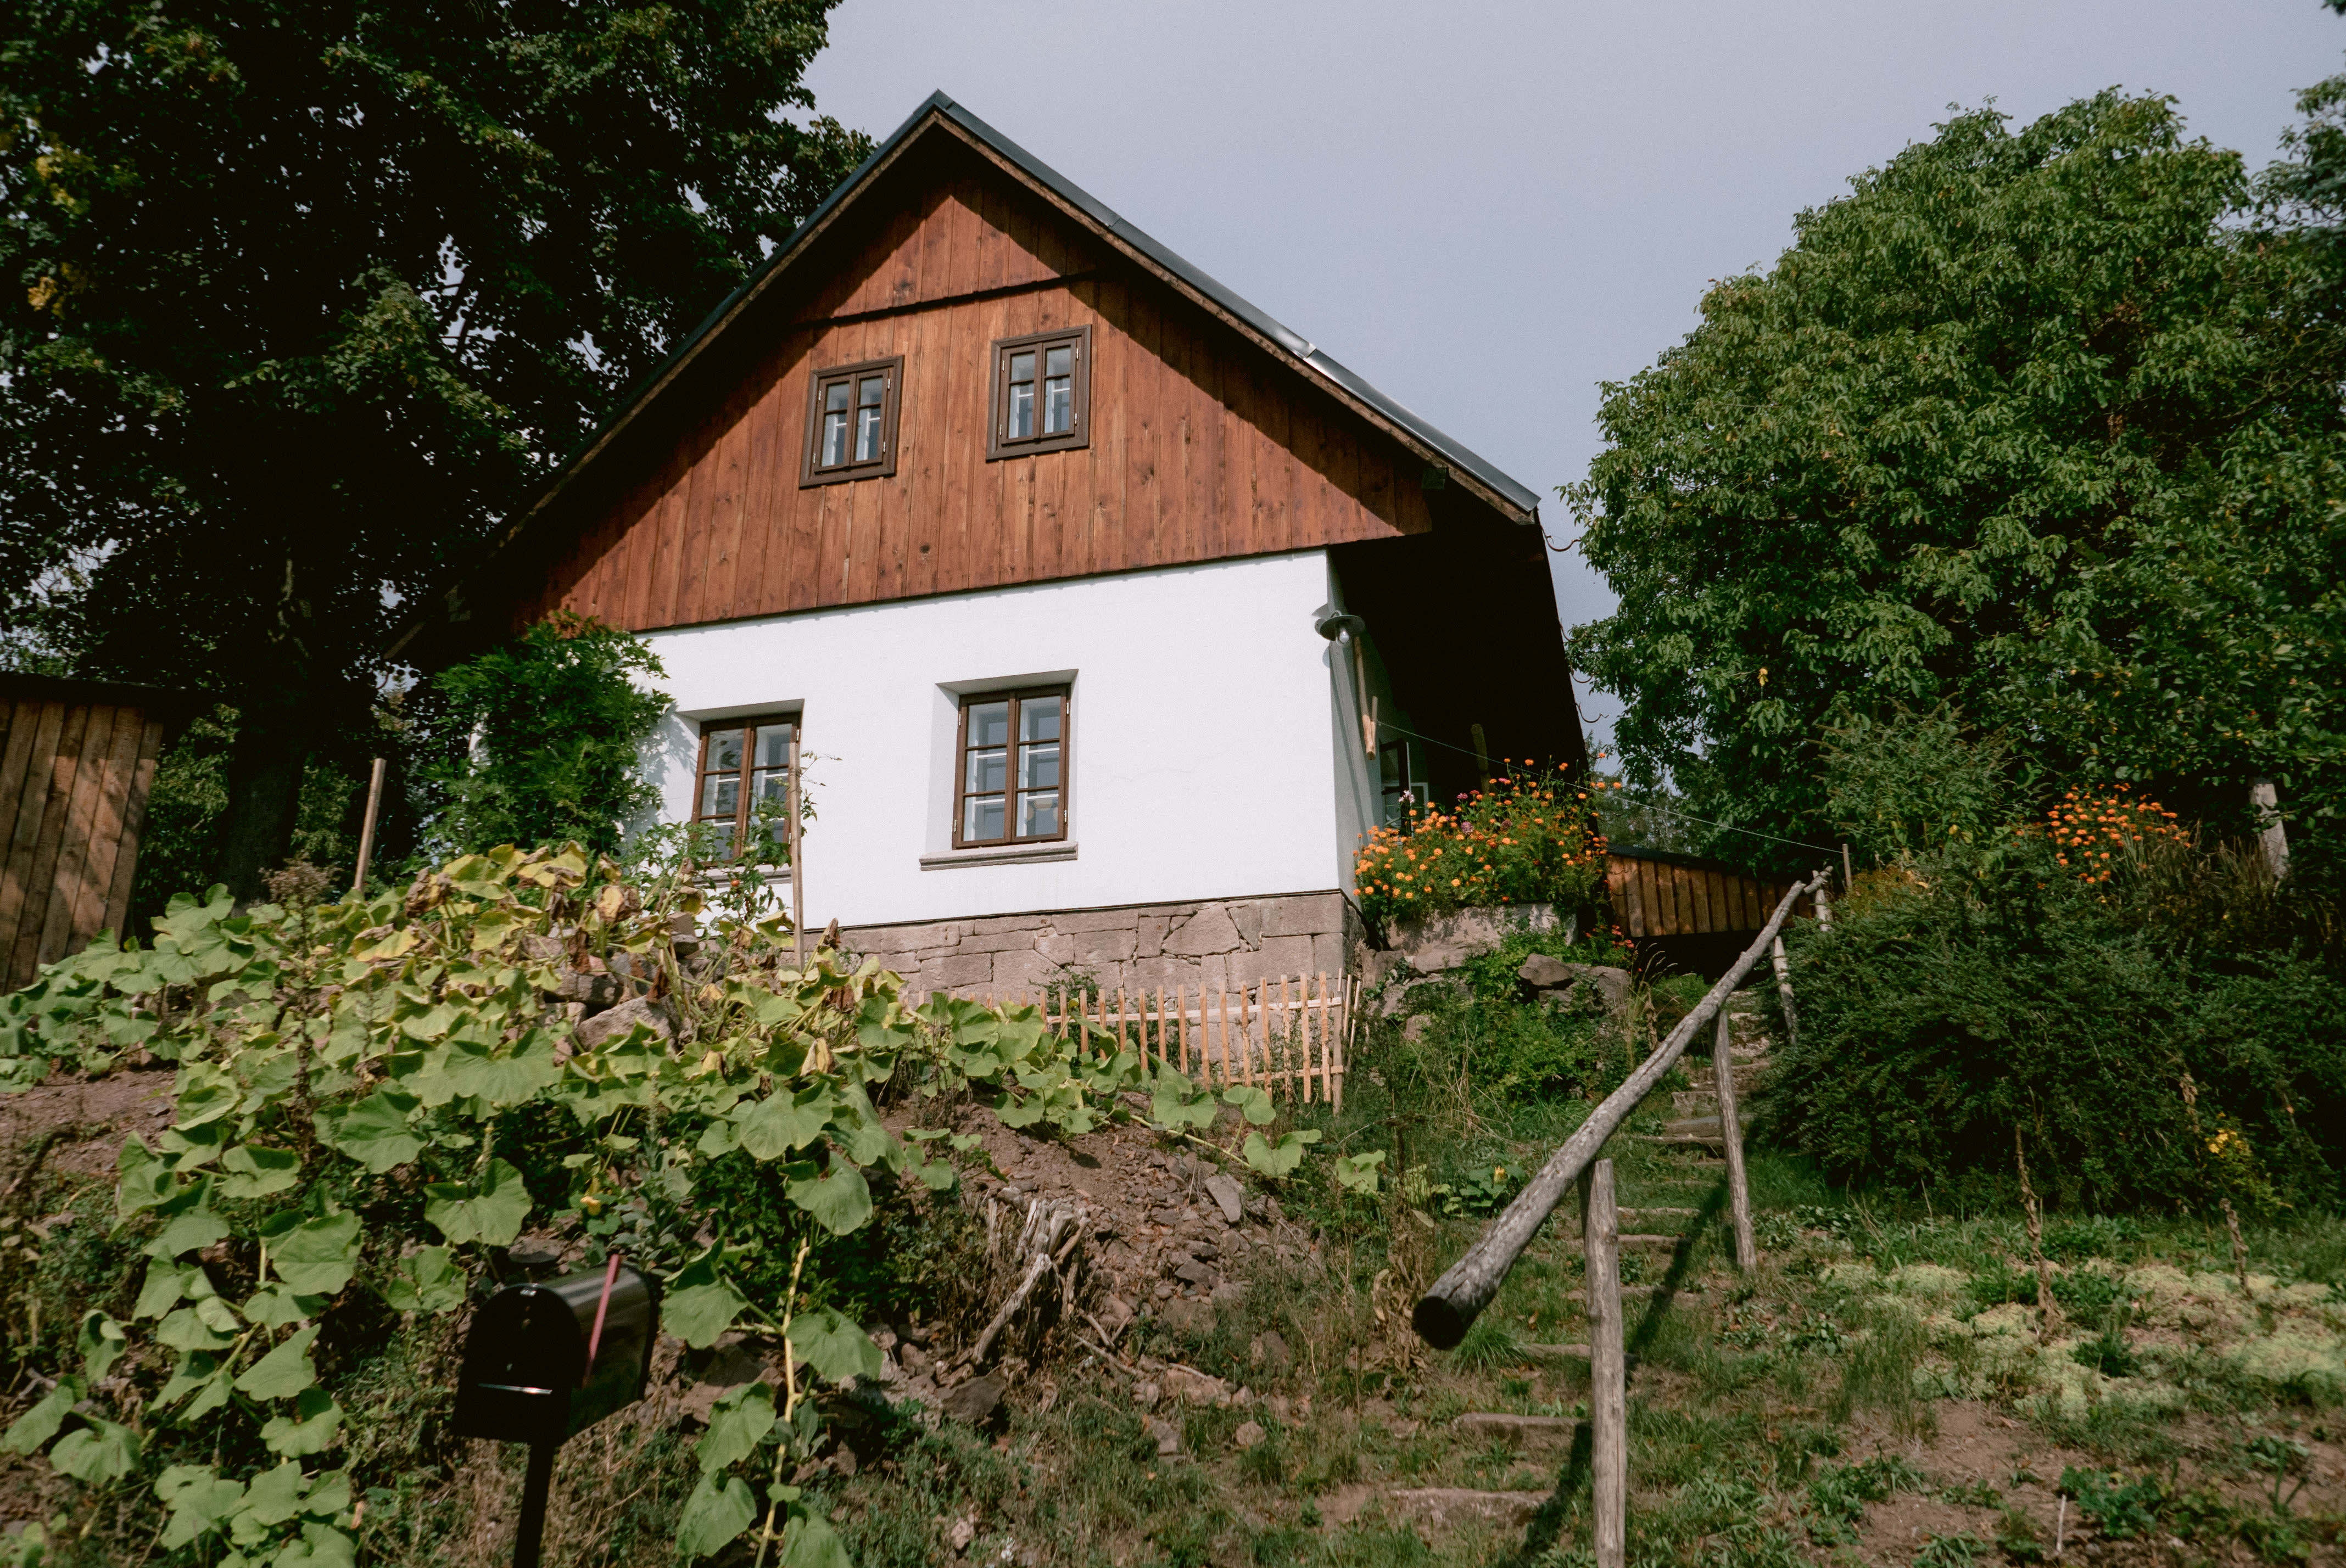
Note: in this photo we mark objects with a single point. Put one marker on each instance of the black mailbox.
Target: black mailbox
(527, 1377)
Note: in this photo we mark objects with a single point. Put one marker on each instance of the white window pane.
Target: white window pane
(989, 723)
(1038, 767)
(871, 392)
(834, 397)
(1038, 815)
(981, 819)
(1022, 412)
(834, 441)
(987, 772)
(720, 794)
(1058, 407)
(867, 435)
(1059, 362)
(774, 746)
(774, 786)
(1039, 719)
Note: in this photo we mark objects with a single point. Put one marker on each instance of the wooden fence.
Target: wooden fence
(1657, 895)
(1291, 1035)
(76, 759)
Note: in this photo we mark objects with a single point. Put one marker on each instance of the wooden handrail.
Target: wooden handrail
(1448, 1309)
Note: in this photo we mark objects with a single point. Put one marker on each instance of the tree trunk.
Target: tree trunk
(264, 799)
(276, 721)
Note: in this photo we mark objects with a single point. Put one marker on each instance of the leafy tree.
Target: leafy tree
(543, 735)
(303, 298)
(2040, 423)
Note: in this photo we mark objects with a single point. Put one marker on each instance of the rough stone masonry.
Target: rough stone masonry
(1138, 947)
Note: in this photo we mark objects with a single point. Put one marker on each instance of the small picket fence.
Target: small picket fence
(1291, 1035)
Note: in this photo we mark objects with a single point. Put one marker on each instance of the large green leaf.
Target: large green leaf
(503, 1078)
(839, 1198)
(188, 1223)
(40, 1424)
(277, 1305)
(199, 1500)
(96, 1453)
(737, 1424)
(309, 1429)
(252, 1171)
(318, 1257)
(832, 1345)
(187, 1329)
(141, 1180)
(1254, 1104)
(321, 1546)
(375, 1132)
(491, 1214)
(273, 1496)
(720, 1509)
(1176, 1104)
(101, 1341)
(284, 1371)
(166, 1281)
(700, 1303)
(429, 1281)
(1278, 1159)
(814, 1543)
(780, 1123)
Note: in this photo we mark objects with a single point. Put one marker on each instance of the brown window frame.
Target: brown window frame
(811, 472)
(744, 799)
(998, 444)
(1010, 790)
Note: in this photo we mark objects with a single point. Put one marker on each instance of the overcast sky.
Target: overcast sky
(1487, 209)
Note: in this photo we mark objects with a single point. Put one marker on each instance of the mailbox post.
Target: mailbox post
(544, 1362)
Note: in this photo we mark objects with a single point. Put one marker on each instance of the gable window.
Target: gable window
(852, 421)
(1011, 786)
(1042, 393)
(744, 787)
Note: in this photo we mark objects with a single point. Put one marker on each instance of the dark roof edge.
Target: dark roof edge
(1521, 496)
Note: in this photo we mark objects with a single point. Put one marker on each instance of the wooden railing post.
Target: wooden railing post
(1730, 1128)
(1608, 1394)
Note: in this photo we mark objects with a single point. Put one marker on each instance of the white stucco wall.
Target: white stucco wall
(1202, 749)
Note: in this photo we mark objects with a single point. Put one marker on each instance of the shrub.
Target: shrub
(1528, 838)
(540, 740)
(1946, 1017)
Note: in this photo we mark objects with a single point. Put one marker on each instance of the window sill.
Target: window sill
(1006, 855)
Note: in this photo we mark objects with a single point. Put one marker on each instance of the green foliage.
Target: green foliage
(544, 736)
(1904, 788)
(242, 452)
(2122, 1507)
(1974, 1003)
(374, 1098)
(2034, 422)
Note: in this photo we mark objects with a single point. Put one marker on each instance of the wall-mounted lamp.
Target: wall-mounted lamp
(1349, 630)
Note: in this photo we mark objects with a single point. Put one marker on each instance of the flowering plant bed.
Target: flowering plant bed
(1529, 837)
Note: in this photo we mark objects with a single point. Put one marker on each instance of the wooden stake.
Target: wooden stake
(1123, 1018)
(1181, 1004)
(1784, 988)
(1222, 1007)
(1246, 1039)
(1739, 1194)
(798, 877)
(1847, 875)
(366, 831)
(1608, 1394)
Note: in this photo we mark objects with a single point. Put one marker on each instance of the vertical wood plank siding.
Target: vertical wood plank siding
(74, 781)
(1199, 448)
(1653, 897)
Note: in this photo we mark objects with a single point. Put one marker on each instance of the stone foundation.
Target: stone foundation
(1138, 947)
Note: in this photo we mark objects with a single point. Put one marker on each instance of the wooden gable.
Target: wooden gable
(1204, 446)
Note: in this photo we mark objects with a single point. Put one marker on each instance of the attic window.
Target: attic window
(1042, 393)
(852, 421)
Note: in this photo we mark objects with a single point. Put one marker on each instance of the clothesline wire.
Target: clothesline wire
(1383, 724)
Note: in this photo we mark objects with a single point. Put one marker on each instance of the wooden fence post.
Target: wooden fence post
(1784, 991)
(1608, 1397)
(1730, 1128)
(366, 833)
